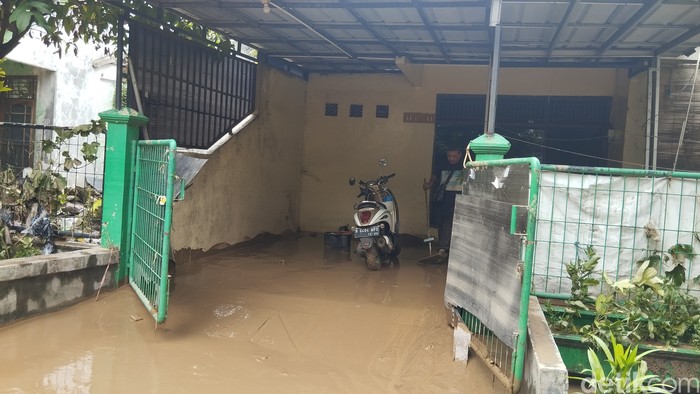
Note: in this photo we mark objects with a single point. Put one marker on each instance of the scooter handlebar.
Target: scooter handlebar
(381, 180)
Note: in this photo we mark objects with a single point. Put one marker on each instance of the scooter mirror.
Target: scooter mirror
(351, 181)
(383, 162)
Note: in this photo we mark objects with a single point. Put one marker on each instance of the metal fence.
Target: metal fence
(625, 215)
(152, 219)
(190, 92)
(23, 153)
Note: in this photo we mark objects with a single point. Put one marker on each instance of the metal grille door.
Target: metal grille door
(152, 218)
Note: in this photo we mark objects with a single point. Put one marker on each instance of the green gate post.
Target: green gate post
(489, 147)
(122, 134)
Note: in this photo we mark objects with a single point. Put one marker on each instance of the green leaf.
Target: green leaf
(48, 146)
(591, 282)
(676, 275)
(7, 37)
(596, 367)
(71, 163)
(63, 135)
(60, 182)
(89, 151)
(604, 346)
(601, 304)
(21, 17)
(579, 304)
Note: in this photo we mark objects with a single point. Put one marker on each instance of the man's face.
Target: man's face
(453, 156)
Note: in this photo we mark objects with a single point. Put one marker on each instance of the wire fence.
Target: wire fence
(626, 216)
(42, 169)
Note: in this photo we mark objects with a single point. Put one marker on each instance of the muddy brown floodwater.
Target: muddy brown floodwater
(276, 317)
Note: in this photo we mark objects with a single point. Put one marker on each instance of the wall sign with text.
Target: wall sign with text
(418, 117)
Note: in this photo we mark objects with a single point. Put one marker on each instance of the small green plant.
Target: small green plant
(581, 274)
(628, 373)
(21, 247)
(43, 192)
(645, 307)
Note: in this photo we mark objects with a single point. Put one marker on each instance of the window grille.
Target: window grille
(331, 109)
(355, 110)
(382, 111)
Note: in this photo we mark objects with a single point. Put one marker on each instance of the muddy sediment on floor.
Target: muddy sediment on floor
(285, 316)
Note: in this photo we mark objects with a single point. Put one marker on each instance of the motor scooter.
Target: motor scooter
(376, 219)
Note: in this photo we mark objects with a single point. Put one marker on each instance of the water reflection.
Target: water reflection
(334, 255)
(74, 377)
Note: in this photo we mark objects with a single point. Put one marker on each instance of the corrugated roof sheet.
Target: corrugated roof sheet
(366, 35)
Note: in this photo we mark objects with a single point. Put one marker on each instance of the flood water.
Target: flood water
(277, 317)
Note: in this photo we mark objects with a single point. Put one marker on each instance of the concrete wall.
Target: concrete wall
(545, 372)
(252, 184)
(336, 148)
(40, 284)
(71, 89)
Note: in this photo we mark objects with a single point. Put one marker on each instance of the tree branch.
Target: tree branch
(7, 47)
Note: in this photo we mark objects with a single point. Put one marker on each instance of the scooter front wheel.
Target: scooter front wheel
(372, 259)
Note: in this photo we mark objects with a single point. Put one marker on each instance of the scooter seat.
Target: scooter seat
(370, 204)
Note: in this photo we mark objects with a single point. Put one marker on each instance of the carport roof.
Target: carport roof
(355, 36)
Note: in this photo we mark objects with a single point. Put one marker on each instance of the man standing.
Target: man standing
(446, 180)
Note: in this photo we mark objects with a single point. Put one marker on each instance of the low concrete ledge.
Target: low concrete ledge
(545, 372)
(39, 284)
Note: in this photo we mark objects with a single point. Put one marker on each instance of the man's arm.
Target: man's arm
(429, 184)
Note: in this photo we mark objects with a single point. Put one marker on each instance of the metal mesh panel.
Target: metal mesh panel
(488, 346)
(21, 151)
(625, 215)
(152, 218)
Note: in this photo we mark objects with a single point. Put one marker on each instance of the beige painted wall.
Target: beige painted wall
(336, 148)
(291, 165)
(252, 183)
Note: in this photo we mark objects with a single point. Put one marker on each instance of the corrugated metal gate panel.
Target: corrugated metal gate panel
(490, 262)
(152, 218)
(482, 276)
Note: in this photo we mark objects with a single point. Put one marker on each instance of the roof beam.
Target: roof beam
(271, 33)
(284, 9)
(372, 30)
(213, 23)
(433, 33)
(366, 4)
(678, 40)
(564, 22)
(641, 14)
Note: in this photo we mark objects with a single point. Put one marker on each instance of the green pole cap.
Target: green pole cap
(127, 116)
(489, 147)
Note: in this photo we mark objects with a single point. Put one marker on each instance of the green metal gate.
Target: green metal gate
(152, 218)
